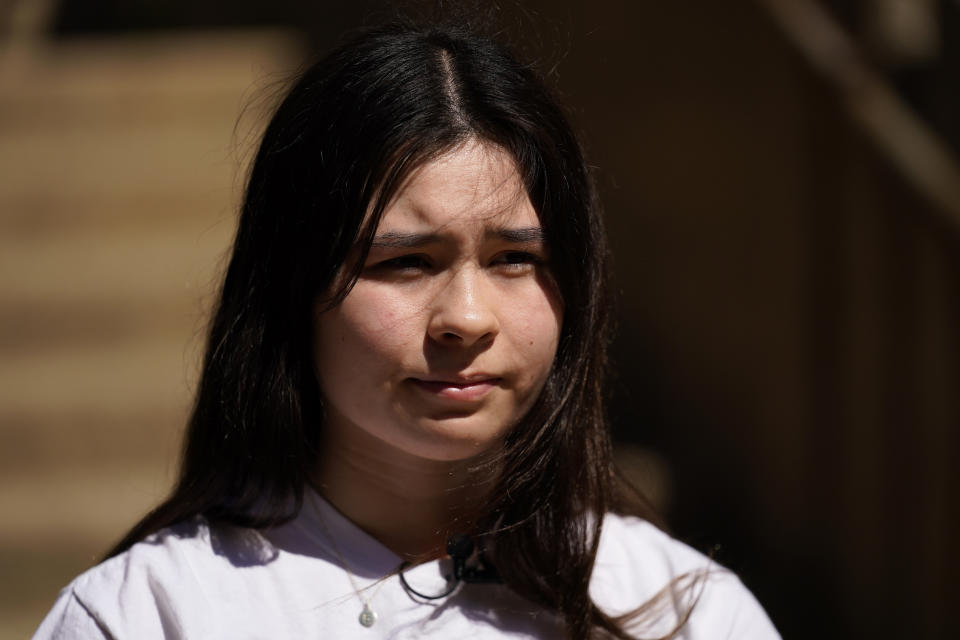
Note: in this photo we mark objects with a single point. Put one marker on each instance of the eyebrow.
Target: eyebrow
(401, 240)
(522, 235)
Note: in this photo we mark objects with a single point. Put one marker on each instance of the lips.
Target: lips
(458, 389)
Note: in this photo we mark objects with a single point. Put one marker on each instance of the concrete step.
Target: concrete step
(133, 120)
(120, 161)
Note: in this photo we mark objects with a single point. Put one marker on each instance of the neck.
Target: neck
(412, 505)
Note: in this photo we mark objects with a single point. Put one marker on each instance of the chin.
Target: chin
(453, 439)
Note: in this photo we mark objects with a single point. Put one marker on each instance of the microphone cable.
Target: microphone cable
(460, 548)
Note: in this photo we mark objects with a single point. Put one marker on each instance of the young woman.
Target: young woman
(399, 430)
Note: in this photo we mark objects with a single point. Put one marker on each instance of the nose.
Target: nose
(463, 312)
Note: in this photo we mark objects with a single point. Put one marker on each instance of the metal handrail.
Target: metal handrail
(914, 150)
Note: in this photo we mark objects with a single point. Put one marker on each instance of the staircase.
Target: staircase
(121, 164)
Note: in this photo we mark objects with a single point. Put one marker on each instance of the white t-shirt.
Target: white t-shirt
(194, 581)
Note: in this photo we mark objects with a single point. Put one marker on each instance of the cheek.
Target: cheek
(366, 330)
(536, 332)
(378, 308)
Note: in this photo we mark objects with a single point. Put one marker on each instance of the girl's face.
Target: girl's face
(448, 335)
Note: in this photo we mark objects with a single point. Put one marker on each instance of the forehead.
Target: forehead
(473, 185)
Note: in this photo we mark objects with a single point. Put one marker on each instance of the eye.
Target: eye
(408, 263)
(517, 261)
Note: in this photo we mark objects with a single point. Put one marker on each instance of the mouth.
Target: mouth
(461, 389)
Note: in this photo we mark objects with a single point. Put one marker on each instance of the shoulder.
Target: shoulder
(638, 564)
(150, 590)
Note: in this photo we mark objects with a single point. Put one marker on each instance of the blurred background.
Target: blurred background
(783, 195)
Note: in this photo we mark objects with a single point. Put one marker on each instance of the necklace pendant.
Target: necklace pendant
(367, 616)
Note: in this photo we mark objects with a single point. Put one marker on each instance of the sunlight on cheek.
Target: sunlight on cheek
(539, 323)
(375, 311)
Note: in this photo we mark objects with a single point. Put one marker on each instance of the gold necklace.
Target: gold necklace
(367, 615)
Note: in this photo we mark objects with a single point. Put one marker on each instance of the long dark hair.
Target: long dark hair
(348, 132)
